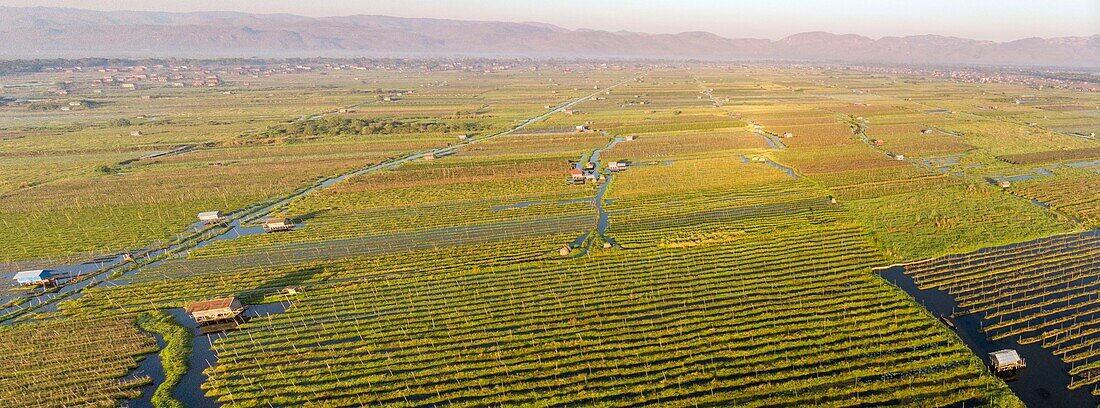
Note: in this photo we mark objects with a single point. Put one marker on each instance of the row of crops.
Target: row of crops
(1040, 292)
(750, 290)
(735, 285)
(76, 362)
(257, 278)
(786, 316)
(436, 207)
(731, 283)
(894, 178)
(1075, 192)
(62, 207)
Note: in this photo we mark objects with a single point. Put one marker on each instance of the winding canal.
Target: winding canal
(119, 266)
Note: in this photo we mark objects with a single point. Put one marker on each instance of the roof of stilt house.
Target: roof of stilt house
(212, 304)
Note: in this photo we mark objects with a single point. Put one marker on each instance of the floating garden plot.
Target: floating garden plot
(77, 362)
(1041, 297)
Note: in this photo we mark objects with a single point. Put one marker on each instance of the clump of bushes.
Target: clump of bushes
(341, 126)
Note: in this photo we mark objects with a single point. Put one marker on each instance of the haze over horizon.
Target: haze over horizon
(52, 32)
(563, 203)
(999, 20)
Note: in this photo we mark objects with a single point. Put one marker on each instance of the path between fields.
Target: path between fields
(773, 141)
(151, 257)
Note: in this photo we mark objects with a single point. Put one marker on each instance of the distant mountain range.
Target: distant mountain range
(42, 32)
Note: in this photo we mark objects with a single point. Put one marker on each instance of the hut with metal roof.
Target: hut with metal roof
(38, 277)
(1006, 360)
(215, 310)
(212, 217)
(278, 224)
(576, 176)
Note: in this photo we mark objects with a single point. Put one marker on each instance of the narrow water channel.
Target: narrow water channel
(189, 390)
(45, 299)
(48, 302)
(770, 162)
(1041, 384)
(602, 215)
(150, 367)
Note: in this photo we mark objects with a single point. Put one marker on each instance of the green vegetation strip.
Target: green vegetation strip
(173, 357)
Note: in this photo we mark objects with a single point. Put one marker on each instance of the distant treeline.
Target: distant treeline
(58, 104)
(342, 126)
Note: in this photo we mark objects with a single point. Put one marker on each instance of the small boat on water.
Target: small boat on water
(948, 322)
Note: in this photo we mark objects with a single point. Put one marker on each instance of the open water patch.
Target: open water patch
(1045, 380)
(203, 356)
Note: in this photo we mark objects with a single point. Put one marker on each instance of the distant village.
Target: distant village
(99, 75)
(95, 76)
(1030, 77)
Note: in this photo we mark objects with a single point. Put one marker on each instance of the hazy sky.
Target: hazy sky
(980, 19)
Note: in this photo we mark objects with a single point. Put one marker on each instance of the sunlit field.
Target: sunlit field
(728, 262)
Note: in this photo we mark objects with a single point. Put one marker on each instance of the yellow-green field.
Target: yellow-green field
(734, 267)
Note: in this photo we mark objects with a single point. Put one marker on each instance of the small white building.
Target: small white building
(1006, 360)
(617, 166)
(278, 224)
(212, 217)
(576, 176)
(38, 277)
(463, 137)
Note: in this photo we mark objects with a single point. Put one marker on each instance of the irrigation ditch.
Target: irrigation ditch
(115, 269)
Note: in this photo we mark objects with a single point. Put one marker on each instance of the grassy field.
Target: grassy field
(733, 269)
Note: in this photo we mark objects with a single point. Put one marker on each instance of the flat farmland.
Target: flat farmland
(541, 233)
